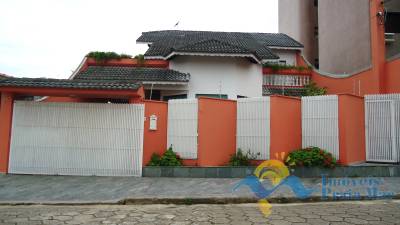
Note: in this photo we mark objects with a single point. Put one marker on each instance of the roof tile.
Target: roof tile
(120, 73)
(167, 41)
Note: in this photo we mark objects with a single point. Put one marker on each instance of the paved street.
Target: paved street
(366, 212)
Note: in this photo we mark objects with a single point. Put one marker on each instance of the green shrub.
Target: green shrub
(276, 67)
(140, 58)
(105, 56)
(310, 157)
(312, 89)
(155, 160)
(169, 158)
(242, 159)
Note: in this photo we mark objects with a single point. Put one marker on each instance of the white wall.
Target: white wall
(220, 75)
(288, 55)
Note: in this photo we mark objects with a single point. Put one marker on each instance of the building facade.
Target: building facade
(224, 64)
(335, 34)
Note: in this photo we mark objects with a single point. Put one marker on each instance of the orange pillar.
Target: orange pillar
(378, 49)
(5, 129)
(155, 141)
(351, 129)
(216, 131)
(285, 126)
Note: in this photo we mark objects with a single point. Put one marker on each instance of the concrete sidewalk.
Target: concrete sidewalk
(34, 189)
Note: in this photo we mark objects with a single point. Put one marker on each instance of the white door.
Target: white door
(253, 126)
(382, 127)
(320, 123)
(77, 139)
(182, 127)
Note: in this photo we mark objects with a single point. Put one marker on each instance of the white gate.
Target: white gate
(320, 123)
(182, 127)
(382, 127)
(77, 139)
(253, 126)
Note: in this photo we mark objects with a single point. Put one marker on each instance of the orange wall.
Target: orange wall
(155, 141)
(393, 76)
(351, 129)
(371, 81)
(217, 131)
(285, 125)
(6, 110)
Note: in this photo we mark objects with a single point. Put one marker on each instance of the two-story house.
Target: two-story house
(206, 63)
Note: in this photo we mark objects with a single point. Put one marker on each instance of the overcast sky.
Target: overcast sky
(49, 38)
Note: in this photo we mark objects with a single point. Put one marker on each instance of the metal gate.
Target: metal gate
(253, 126)
(382, 128)
(77, 139)
(182, 127)
(320, 123)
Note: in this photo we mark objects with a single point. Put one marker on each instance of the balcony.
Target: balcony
(285, 80)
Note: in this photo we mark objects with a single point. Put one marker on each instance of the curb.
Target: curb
(196, 201)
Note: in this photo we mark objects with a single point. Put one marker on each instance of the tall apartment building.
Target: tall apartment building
(336, 34)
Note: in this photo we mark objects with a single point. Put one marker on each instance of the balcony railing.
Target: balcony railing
(286, 80)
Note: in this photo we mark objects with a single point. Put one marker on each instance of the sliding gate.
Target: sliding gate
(77, 139)
(382, 128)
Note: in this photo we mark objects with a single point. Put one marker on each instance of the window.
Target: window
(241, 96)
(316, 32)
(166, 98)
(316, 63)
(222, 96)
(282, 62)
(155, 94)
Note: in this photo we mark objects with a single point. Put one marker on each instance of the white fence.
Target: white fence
(320, 127)
(182, 127)
(77, 139)
(382, 127)
(253, 126)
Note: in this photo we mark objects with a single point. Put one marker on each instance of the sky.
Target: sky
(49, 38)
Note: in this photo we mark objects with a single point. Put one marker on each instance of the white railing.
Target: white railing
(382, 127)
(320, 127)
(286, 80)
(182, 127)
(253, 126)
(77, 139)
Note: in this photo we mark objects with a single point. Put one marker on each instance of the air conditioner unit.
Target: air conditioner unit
(389, 37)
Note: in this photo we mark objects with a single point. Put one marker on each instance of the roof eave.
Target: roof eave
(286, 48)
(144, 42)
(212, 54)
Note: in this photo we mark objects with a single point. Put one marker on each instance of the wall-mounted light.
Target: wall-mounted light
(381, 17)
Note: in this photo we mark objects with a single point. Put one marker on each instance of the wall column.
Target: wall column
(6, 109)
(378, 49)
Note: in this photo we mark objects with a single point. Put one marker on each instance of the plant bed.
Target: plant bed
(302, 172)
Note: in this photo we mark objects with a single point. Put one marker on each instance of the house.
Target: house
(189, 64)
(221, 64)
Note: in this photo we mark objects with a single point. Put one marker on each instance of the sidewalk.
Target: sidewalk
(29, 189)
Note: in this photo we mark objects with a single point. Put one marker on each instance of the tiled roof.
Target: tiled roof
(73, 84)
(258, 44)
(120, 73)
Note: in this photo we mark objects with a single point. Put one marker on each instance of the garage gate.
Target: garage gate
(77, 139)
(382, 128)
